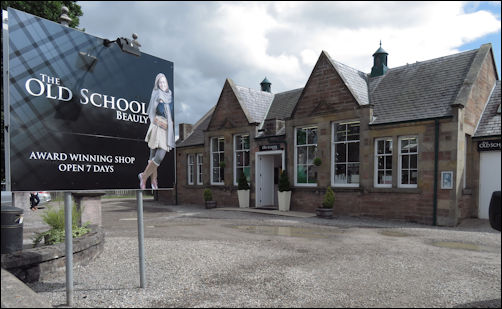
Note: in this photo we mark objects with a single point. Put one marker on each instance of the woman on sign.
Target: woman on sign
(160, 135)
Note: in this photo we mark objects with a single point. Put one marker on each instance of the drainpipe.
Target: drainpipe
(436, 155)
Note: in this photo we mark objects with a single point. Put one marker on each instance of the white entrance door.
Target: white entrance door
(266, 176)
(489, 180)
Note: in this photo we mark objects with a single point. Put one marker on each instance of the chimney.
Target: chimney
(184, 130)
(266, 85)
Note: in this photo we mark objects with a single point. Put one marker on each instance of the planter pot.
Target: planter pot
(284, 198)
(324, 212)
(243, 198)
(210, 204)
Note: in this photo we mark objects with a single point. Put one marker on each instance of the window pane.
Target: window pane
(353, 152)
(238, 142)
(404, 177)
(222, 175)
(312, 136)
(353, 132)
(380, 177)
(380, 146)
(246, 158)
(381, 163)
(413, 177)
(221, 143)
(353, 173)
(340, 174)
(413, 145)
(388, 162)
(413, 161)
(214, 144)
(388, 146)
(311, 154)
(340, 153)
(301, 175)
(216, 160)
(404, 146)
(239, 159)
(247, 172)
(245, 141)
(388, 177)
(302, 155)
(312, 177)
(341, 132)
(405, 162)
(301, 137)
(216, 174)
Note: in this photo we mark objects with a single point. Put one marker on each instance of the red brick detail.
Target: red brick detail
(228, 112)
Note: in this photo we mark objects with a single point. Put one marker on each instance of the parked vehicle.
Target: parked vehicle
(44, 197)
(494, 210)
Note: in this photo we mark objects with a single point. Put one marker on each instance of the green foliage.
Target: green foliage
(55, 218)
(317, 161)
(208, 195)
(284, 182)
(50, 10)
(329, 198)
(243, 183)
(222, 164)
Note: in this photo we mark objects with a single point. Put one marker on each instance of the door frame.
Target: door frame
(257, 168)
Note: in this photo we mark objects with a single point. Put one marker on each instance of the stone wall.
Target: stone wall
(46, 262)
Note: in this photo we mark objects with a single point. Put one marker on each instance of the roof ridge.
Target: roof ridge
(433, 59)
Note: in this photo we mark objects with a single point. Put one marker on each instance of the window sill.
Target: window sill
(395, 190)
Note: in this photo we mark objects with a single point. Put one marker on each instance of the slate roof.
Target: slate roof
(421, 90)
(489, 124)
(197, 135)
(355, 80)
(283, 104)
(256, 102)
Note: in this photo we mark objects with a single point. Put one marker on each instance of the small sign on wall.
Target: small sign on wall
(447, 180)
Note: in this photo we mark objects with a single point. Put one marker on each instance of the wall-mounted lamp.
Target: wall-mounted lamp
(126, 45)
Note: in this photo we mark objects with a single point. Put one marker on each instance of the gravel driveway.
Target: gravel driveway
(210, 258)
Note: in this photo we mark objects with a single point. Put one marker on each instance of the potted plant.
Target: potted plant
(208, 198)
(326, 210)
(317, 161)
(222, 164)
(284, 194)
(243, 191)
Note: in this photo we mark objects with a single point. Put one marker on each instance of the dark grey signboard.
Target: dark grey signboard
(80, 111)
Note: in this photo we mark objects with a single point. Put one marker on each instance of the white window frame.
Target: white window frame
(400, 156)
(296, 156)
(235, 157)
(346, 142)
(200, 159)
(212, 155)
(190, 168)
(375, 169)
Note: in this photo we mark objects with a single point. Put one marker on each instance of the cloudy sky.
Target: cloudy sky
(248, 41)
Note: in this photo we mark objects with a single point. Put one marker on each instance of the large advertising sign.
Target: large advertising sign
(85, 116)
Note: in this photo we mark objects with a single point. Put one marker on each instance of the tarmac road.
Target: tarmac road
(228, 258)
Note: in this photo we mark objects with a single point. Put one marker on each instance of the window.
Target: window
(241, 157)
(345, 154)
(383, 162)
(408, 162)
(305, 152)
(190, 170)
(217, 157)
(199, 168)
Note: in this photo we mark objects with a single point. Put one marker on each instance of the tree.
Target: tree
(50, 10)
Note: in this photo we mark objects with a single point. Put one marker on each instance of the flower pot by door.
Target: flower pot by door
(284, 198)
(243, 198)
(324, 212)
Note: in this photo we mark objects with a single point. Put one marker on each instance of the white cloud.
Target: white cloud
(246, 41)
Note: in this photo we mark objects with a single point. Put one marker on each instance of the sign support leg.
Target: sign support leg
(139, 200)
(69, 248)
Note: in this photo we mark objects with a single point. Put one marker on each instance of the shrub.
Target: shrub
(243, 183)
(329, 198)
(55, 218)
(317, 161)
(284, 182)
(222, 164)
(208, 195)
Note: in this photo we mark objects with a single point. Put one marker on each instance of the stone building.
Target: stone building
(397, 143)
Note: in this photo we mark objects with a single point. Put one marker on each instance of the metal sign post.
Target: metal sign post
(69, 248)
(139, 200)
